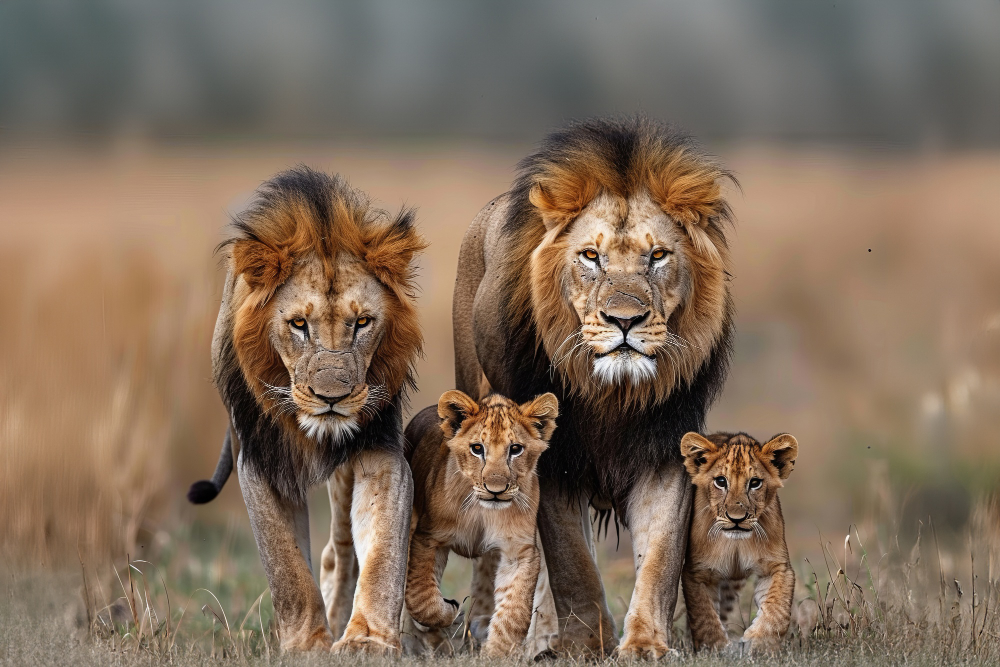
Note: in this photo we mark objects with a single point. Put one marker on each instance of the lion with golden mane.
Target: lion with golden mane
(601, 276)
(313, 351)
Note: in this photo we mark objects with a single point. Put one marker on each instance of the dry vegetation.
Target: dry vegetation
(885, 364)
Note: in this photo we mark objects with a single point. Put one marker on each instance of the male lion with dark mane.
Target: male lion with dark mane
(601, 276)
(313, 350)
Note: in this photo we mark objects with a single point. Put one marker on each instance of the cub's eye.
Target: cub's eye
(300, 324)
(590, 254)
(755, 483)
(516, 449)
(720, 482)
(476, 449)
(362, 322)
(658, 254)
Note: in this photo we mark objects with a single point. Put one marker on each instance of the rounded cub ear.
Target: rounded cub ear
(781, 451)
(696, 448)
(542, 413)
(454, 407)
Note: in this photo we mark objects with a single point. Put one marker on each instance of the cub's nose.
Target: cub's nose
(735, 520)
(496, 487)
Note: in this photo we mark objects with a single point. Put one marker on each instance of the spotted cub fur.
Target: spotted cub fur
(736, 531)
(476, 490)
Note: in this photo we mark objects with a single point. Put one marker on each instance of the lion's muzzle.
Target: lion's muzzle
(332, 376)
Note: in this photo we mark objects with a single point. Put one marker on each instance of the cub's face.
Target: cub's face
(496, 444)
(326, 329)
(738, 476)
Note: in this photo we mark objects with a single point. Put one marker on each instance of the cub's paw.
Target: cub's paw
(639, 649)
(368, 644)
(439, 614)
(759, 645)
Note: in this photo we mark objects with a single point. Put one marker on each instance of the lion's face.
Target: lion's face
(496, 444)
(326, 330)
(625, 272)
(738, 476)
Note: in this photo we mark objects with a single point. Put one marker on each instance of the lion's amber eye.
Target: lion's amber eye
(299, 323)
(590, 254)
(363, 321)
(516, 449)
(659, 254)
(476, 448)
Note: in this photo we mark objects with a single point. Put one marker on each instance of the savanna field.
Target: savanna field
(867, 286)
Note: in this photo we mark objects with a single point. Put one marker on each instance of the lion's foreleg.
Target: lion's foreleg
(280, 528)
(658, 517)
(423, 583)
(339, 568)
(773, 595)
(380, 520)
(581, 608)
(484, 573)
(515, 594)
(701, 598)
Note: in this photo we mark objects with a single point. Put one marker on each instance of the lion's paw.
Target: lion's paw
(368, 644)
(639, 649)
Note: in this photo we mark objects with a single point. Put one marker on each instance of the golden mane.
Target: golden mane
(620, 159)
(304, 215)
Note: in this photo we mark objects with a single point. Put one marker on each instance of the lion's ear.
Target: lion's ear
(542, 413)
(263, 267)
(781, 451)
(562, 196)
(389, 252)
(696, 448)
(454, 407)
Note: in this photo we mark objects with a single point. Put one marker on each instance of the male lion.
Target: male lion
(601, 276)
(313, 350)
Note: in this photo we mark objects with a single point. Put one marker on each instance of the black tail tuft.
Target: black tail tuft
(202, 492)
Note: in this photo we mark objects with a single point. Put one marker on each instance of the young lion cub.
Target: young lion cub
(475, 489)
(737, 530)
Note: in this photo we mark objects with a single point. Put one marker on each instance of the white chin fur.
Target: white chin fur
(617, 367)
(319, 427)
(494, 505)
(738, 534)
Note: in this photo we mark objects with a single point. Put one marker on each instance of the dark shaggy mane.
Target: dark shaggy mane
(606, 443)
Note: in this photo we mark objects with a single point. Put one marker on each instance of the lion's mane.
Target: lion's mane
(609, 437)
(305, 215)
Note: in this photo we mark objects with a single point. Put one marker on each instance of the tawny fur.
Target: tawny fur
(476, 492)
(737, 531)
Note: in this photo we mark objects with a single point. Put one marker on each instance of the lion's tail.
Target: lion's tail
(207, 489)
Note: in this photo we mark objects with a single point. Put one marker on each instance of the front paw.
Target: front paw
(368, 644)
(439, 614)
(643, 649)
(763, 645)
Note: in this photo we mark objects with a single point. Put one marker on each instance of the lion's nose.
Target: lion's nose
(624, 323)
(495, 487)
(735, 520)
(329, 399)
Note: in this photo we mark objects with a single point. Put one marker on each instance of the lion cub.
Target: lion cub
(737, 530)
(474, 490)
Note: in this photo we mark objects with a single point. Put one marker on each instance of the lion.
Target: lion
(737, 530)
(475, 490)
(313, 353)
(602, 276)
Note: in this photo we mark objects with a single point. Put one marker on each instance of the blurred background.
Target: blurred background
(865, 136)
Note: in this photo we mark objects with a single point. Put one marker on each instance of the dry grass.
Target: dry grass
(885, 365)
